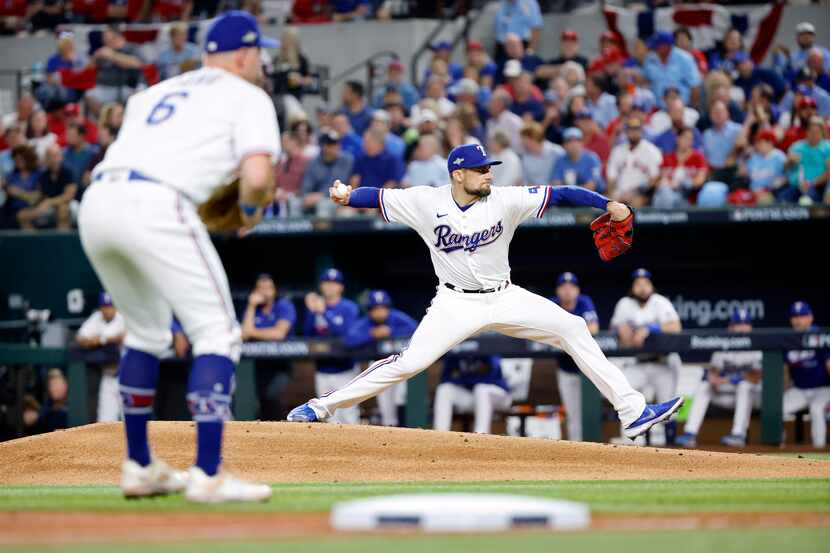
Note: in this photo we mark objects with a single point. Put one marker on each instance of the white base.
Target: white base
(459, 513)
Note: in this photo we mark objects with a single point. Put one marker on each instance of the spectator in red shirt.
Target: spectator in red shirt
(594, 139)
(682, 174)
(12, 16)
(310, 11)
(805, 109)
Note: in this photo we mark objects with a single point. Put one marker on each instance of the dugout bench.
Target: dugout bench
(773, 342)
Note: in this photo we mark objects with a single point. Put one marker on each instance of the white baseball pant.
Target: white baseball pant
(109, 397)
(483, 401)
(816, 400)
(154, 256)
(455, 316)
(745, 395)
(570, 391)
(658, 382)
(326, 382)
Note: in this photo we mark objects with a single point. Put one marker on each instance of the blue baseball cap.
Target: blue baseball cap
(234, 30)
(567, 277)
(740, 316)
(441, 45)
(641, 273)
(800, 308)
(104, 299)
(378, 297)
(469, 156)
(571, 133)
(660, 39)
(332, 275)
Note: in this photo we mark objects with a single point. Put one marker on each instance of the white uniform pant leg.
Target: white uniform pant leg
(451, 318)
(449, 397)
(388, 405)
(700, 404)
(819, 400)
(109, 397)
(525, 315)
(154, 256)
(327, 382)
(745, 394)
(489, 398)
(570, 390)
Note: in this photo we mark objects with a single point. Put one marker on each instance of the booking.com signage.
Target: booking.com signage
(697, 313)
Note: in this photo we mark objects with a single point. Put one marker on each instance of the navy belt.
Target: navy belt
(480, 291)
(132, 175)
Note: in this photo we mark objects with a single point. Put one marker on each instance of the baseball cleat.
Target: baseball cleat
(222, 488)
(303, 413)
(733, 440)
(652, 414)
(687, 440)
(155, 479)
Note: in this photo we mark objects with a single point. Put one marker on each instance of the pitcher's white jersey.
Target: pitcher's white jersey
(192, 131)
(657, 310)
(469, 246)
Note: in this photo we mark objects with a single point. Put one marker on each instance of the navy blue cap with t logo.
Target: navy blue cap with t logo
(235, 30)
(469, 156)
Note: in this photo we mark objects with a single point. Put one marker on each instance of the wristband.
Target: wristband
(249, 209)
(654, 328)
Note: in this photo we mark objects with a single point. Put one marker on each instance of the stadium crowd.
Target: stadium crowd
(658, 124)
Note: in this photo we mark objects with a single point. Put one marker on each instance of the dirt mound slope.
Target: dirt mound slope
(290, 452)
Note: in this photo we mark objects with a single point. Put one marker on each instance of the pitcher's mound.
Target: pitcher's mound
(292, 452)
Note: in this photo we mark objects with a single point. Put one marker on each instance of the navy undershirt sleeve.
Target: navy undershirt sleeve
(365, 197)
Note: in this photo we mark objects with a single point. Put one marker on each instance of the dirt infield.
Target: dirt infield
(290, 452)
(87, 528)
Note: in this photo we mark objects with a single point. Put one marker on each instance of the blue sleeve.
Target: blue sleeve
(286, 311)
(557, 176)
(308, 324)
(398, 169)
(365, 197)
(576, 196)
(358, 334)
(692, 71)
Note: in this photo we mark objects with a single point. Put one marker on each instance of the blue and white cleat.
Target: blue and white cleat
(733, 440)
(302, 413)
(653, 413)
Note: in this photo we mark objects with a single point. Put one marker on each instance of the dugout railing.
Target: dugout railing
(773, 342)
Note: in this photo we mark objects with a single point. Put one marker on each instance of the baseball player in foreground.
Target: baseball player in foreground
(468, 226)
(181, 141)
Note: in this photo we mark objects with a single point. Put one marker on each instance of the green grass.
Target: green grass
(766, 541)
(606, 496)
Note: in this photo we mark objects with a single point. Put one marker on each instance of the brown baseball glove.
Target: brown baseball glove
(220, 212)
(613, 238)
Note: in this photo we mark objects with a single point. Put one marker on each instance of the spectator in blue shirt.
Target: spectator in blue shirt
(514, 49)
(725, 58)
(788, 64)
(381, 323)
(668, 66)
(806, 86)
(376, 166)
(599, 102)
(78, 154)
(354, 106)
(22, 183)
(720, 143)
(180, 56)
(524, 103)
(578, 167)
(765, 166)
(539, 156)
(749, 75)
(332, 164)
(392, 143)
(667, 140)
(267, 317)
(519, 17)
(443, 51)
(350, 10)
(427, 167)
(52, 93)
(350, 141)
(329, 315)
(396, 81)
(810, 377)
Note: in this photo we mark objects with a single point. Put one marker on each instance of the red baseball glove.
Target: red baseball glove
(613, 238)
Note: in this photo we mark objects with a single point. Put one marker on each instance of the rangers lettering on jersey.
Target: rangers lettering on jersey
(449, 241)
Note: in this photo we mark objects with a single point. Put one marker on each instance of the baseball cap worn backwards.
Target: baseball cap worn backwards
(233, 31)
(469, 156)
